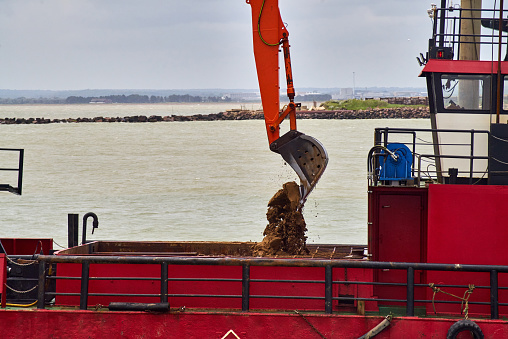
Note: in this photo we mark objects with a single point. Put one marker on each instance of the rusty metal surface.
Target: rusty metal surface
(203, 248)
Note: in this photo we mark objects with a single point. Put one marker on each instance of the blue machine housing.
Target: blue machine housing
(398, 169)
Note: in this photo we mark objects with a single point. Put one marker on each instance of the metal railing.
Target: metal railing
(447, 29)
(19, 169)
(424, 149)
(246, 281)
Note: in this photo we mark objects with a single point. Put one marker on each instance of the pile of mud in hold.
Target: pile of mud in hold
(285, 233)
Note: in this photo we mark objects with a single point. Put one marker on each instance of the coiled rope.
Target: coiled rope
(465, 298)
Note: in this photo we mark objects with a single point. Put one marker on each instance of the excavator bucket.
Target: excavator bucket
(305, 155)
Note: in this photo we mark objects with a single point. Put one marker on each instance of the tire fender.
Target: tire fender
(463, 326)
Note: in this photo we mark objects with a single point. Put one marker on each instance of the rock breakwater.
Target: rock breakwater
(375, 113)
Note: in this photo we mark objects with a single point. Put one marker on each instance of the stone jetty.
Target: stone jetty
(375, 113)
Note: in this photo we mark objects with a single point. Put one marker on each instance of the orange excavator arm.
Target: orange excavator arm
(303, 153)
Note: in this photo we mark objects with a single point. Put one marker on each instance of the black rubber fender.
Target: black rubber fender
(465, 325)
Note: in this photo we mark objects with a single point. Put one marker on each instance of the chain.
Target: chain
(22, 292)
(308, 322)
(30, 262)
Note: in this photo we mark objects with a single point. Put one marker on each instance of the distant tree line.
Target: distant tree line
(23, 100)
(145, 99)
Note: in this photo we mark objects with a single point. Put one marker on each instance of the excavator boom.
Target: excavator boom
(303, 153)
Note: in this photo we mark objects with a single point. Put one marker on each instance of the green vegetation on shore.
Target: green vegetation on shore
(355, 104)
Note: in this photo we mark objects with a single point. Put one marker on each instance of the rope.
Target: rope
(502, 162)
(498, 138)
(58, 244)
(465, 300)
(312, 326)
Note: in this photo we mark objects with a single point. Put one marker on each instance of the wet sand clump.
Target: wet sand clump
(285, 233)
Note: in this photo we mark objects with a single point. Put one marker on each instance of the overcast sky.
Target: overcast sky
(195, 44)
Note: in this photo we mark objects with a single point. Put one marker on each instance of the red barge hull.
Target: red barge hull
(97, 324)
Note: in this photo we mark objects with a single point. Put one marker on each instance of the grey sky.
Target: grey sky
(170, 44)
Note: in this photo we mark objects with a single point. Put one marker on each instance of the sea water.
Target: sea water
(177, 181)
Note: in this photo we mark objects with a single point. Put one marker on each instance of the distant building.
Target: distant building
(100, 101)
(408, 94)
(345, 93)
(250, 96)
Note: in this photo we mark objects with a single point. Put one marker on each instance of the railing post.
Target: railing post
(414, 154)
(164, 282)
(20, 170)
(377, 137)
(328, 289)
(85, 274)
(442, 20)
(385, 135)
(494, 301)
(471, 161)
(410, 305)
(42, 284)
(245, 287)
(72, 229)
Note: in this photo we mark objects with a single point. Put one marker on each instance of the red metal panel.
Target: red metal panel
(397, 223)
(3, 278)
(353, 275)
(210, 287)
(287, 289)
(153, 286)
(461, 66)
(467, 225)
(399, 228)
(303, 282)
(108, 286)
(397, 232)
(399, 240)
(27, 246)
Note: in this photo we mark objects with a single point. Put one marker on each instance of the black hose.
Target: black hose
(153, 307)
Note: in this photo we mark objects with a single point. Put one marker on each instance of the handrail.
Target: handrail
(19, 169)
(448, 33)
(381, 138)
(245, 279)
(259, 261)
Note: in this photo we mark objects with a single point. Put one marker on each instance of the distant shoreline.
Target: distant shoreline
(375, 113)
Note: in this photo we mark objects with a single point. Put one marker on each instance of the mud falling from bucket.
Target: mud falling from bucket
(285, 233)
